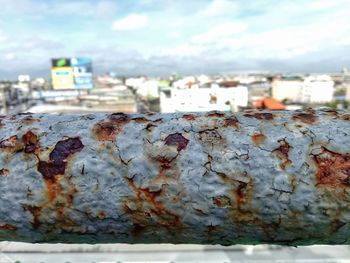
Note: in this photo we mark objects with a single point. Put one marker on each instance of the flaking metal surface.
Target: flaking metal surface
(212, 178)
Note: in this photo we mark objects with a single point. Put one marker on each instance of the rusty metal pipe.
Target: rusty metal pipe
(211, 178)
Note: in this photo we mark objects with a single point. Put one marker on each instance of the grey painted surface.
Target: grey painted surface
(215, 178)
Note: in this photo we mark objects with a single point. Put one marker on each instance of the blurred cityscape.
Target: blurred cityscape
(73, 88)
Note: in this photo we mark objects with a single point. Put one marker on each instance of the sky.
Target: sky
(161, 37)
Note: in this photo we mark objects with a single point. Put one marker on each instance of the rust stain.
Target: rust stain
(30, 141)
(333, 169)
(141, 216)
(346, 117)
(177, 139)
(215, 114)
(102, 215)
(222, 201)
(189, 117)
(331, 112)
(305, 117)
(232, 122)
(36, 212)
(293, 179)
(11, 144)
(8, 227)
(282, 153)
(107, 130)
(56, 165)
(166, 172)
(241, 194)
(4, 172)
(53, 171)
(29, 120)
(258, 138)
(141, 120)
(260, 115)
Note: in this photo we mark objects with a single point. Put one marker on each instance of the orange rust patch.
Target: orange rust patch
(176, 139)
(142, 214)
(107, 130)
(241, 194)
(260, 116)
(57, 162)
(222, 201)
(53, 170)
(8, 227)
(231, 122)
(189, 117)
(282, 153)
(165, 170)
(333, 169)
(305, 117)
(346, 117)
(35, 211)
(102, 215)
(53, 189)
(4, 172)
(30, 141)
(293, 179)
(258, 138)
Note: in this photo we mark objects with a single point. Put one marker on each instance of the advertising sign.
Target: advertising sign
(62, 78)
(82, 68)
(71, 73)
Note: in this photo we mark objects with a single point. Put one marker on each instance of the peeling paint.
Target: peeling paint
(305, 117)
(258, 138)
(177, 139)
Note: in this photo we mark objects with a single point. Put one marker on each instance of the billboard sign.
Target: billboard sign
(82, 69)
(71, 73)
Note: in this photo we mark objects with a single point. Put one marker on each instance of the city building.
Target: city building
(312, 89)
(195, 98)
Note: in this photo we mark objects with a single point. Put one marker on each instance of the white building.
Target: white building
(196, 99)
(149, 89)
(347, 91)
(23, 78)
(312, 89)
(287, 88)
(317, 89)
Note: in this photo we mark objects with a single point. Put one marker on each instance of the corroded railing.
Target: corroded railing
(214, 178)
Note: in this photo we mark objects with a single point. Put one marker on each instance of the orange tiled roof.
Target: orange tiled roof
(270, 104)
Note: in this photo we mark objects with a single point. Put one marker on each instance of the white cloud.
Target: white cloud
(220, 7)
(3, 37)
(131, 22)
(106, 8)
(174, 34)
(220, 31)
(9, 56)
